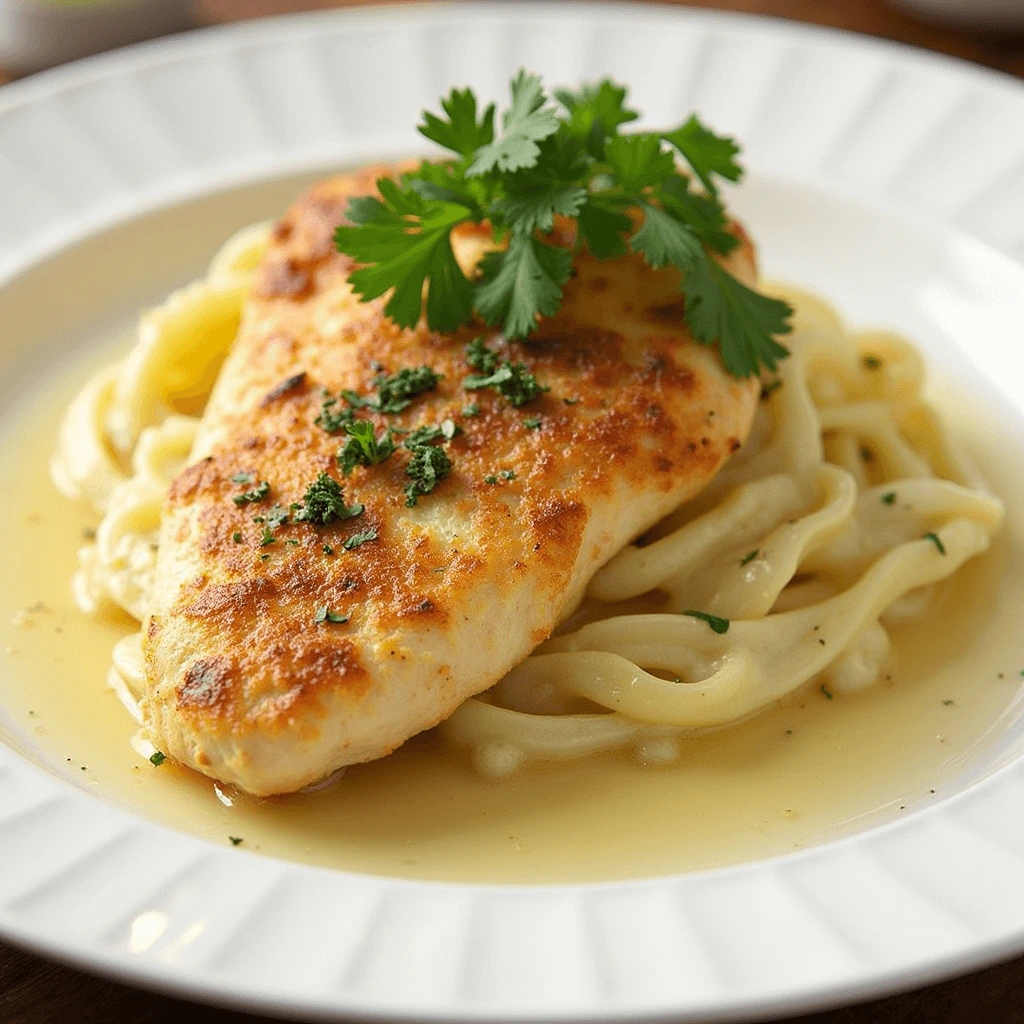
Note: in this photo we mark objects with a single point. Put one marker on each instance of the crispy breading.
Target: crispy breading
(242, 683)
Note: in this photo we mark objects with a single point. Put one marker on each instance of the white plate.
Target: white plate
(889, 179)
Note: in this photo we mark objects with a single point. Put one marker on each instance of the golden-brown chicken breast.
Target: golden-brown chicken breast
(275, 651)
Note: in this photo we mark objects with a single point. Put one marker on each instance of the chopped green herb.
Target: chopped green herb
(888, 498)
(237, 537)
(277, 516)
(480, 357)
(331, 418)
(471, 410)
(324, 614)
(396, 391)
(363, 447)
(264, 558)
(268, 537)
(571, 401)
(328, 550)
(508, 474)
(235, 840)
(324, 502)
(429, 434)
(243, 478)
(750, 556)
(490, 479)
(770, 388)
(934, 538)
(427, 467)
(533, 423)
(253, 495)
(872, 362)
(358, 539)
(827, 692)
(291, 540)
(157, 758)
(947, 702)
(511, 380)
(718, 624)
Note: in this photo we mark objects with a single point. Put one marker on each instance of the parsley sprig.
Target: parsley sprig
(567, 157)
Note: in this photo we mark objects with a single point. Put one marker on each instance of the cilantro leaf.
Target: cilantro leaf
(405, 240)
(638, 161)
(707, 153)
(662, 239)
(524, 124)
(721, 308)
(595, 113)
(363, 448)
(704, 213)
(324, 502)
(602, 226)
(522, 283)
(533, 201)
(461, 133)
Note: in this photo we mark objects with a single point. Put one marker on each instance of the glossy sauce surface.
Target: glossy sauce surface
(806, 771)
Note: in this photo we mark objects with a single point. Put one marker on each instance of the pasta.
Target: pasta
(840, 518)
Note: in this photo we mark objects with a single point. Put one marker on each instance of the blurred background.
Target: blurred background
(35, 34)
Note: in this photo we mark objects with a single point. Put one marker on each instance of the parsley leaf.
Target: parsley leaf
(257, 493)
(707, 153)
(638, 161)
(522, 282)
(662, 239)
(405, 240)
(716, 622)
(595, 113)
(363, 447)
(331, 418)
(461, 133)
(512, 380)
(324, 614)
(243, 478)
(396, 391)
(742, 321)
(480, 357)
(358, 539)
(427, 467)
(524, 124)
(324, 502)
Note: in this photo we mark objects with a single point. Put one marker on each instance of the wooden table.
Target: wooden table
(36, 991)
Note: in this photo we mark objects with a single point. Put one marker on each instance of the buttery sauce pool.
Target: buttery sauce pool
(811, 769)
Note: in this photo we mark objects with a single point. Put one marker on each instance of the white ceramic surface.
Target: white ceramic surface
(890, 179)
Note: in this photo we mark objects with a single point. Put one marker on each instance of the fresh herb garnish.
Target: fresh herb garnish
(328, 550)
(429, 434)
(396, 391)
(363, 447)
(324, 614)
(243, 478)
(934, 538)
(157, 758)
(254, 494)
(769, 389)
(427, 467)
(237, 537)
(508, 474)
(490, 479)
(532, 423)
(567, 159)
(324, 502)
(236, 840)
(358, 539)
(718, 624)
(872, 362)
(827, 692)
(268, 537)
(749, 556)
(888, 498)
(512, 380)
(471, 410)
(332, 418)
